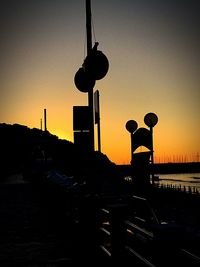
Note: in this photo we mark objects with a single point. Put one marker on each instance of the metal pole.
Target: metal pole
(98, 123)
(90, 93)
(152, 159)
(45, 120)
(41, 124)
(88, 26)
(131, 148)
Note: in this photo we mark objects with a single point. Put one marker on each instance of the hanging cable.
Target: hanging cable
(84, 49)
(93, 29)
(93, 35)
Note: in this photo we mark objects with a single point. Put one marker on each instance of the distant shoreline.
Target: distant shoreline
(189, 167)
(167, 168)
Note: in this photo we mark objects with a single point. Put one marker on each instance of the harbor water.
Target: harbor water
(189, 181)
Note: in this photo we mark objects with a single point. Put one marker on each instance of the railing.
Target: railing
(126, 229)
(133, 232)
(179, 188)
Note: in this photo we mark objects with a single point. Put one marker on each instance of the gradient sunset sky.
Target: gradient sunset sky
(153, 51)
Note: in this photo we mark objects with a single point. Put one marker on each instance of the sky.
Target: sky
(154, 66)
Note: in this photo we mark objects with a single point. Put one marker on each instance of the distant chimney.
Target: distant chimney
(45, 120)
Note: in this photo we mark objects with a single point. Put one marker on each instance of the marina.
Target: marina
(183, 181)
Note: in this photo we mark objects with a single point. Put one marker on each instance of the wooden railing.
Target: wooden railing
(132, 232)
(127, 229)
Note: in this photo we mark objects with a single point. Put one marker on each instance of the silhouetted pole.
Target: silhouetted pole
(41, 124)
(45, 120)
(131, 127)
(98, 121)
(90, 93)
(88, 26)
(152, 156)
(151, 120)
(131, 147)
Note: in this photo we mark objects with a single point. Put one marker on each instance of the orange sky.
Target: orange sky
(153, 51)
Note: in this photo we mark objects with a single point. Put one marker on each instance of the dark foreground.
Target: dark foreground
(37, 229)
(42, 226)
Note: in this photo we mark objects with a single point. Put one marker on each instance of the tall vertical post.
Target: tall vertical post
(152, 156)
(131, 147)
(131, 127)
(88, 26)
(151, 120)
(41, 124)
(97, 118)
(45, 120)
(90, 93)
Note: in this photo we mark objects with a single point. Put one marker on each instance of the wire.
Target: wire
(93, 29)
(85, 42)
(94, 35)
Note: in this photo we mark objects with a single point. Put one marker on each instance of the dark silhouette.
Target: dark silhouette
(57, 214)
(34, 152)
(141, 170)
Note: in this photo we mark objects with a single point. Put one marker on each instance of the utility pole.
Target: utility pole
(90, 92)
(41, 124)
(151, 119)
(45, 120)
(97, 117)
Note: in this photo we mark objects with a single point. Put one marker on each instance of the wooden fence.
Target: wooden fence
(133, 233)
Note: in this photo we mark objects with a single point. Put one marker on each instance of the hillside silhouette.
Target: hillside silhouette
(34, 152)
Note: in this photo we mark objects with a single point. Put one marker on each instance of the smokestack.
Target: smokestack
(45, 120)
(41, 124)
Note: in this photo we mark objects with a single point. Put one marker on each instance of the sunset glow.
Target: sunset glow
(153, 51)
